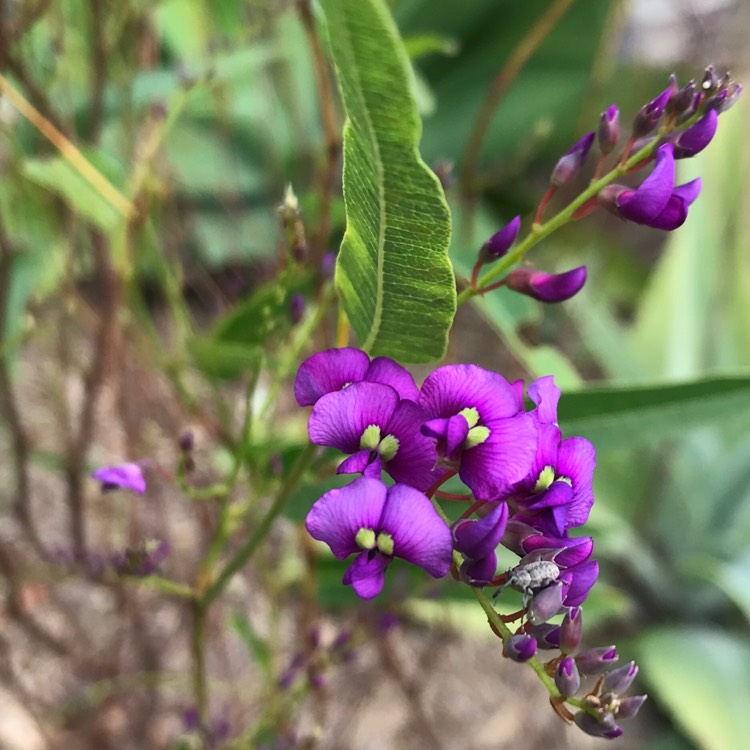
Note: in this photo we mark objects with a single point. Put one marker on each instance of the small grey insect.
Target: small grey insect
(532, 577)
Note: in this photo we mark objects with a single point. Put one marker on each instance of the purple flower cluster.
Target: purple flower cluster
(531, 486)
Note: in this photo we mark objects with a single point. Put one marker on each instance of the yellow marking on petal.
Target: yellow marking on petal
(477, 435)
(567, 481)
(385, 543)
(388, 447)
(365, 539)
(546, 477)
(471, 415)
(370, 438)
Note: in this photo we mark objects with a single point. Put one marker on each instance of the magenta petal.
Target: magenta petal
(339, 419)
(419, 534)
(329, 371)
(125, 476)
(676, 210)
(337, 516)
(697, 136)
(479, 538)
(450, 434)
(568, 552)
(646, 203)
(557, 494)
(480, 570)
(366, 575)
(576, 460)
(581, 578)
(357, 463)
(387, 371)
(546, 395)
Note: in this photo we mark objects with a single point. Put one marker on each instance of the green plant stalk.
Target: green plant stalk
(198, 649)
(541, 231)
(247, 550)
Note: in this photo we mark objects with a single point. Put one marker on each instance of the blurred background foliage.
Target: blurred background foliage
(199, 114)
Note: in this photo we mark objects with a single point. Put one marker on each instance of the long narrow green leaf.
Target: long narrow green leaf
(393, 273)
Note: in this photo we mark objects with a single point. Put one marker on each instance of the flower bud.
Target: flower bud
(683, 102)
(630, 706)
(327, 265)
(649, 115)
(546, 603)
(571, 161)
(618, 680)
(187, 441)
(520, 647)
(547, 635)
(500, 242)
(296, 308)
(603, 726)
(571, 630)
(596, 660)
(567, 678)
(693, 140)
(733, 93)
(710, 82)
(609, 129)
(547, 287)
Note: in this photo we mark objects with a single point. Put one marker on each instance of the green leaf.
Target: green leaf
(700, 676)
(618, 417)
(256, 645)
(393, 272)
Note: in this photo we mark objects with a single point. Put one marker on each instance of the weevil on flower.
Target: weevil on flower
(530, 578)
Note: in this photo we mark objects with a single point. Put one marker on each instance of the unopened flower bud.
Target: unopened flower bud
(649, 115)
(547, 635)
(520, 647)
(327, 265)
(571, 161)
(693, 140)
(630, 706)
(187, 441)
(546, 603)
(683, 101)
(297, 308)
(618, 680)
(596, 660)
(567, 678)
(710, 82)
(571, 630)
(547, 287)
(604, 726)
(609, 129)
(733, 93)
(500, 242)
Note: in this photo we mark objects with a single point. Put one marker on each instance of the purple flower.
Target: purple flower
(547, 287)
(604, 726)
(500, 242)
(693, 140)
(378, 523)
(479, 428)
(334, 369)
(657, 202)
(477, 540)
(520, 647)
(297, 308)
(141, 561)
(649, 115)
(571, 161)
(567, 678)
(382, 431)
(609, 129)
(124, 476)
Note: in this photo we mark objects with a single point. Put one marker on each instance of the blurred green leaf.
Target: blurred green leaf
(618, 417)
(256, 645)
(421, 45)
(225, 360)
(700, 676)
(733, 579)
(393, 272)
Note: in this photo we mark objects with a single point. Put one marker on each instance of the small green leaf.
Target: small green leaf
(393, 272)
(256, 645)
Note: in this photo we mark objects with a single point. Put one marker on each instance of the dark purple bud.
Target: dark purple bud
(317, 680)
(520, 647)
(571, 630)
(693, 140)
(546, 603)
(733, 93)
(603, 726)
(327, 265)
(547, 635)
(609, 129)
(296, 308)
(710, 82)
(596, 660)
(630, 706)
(571, 161)
(500, 242)
(141, 561)
(290, 674)
(187, 441)
(649, 115)
(619, 680)
(567, 678)
(547, 287)
(683, 102)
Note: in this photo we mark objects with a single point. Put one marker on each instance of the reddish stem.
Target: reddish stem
(513, 617)
(591, 205)
(628, 148)
(546, 198)
(475, 274)
(473, 508)
(599, 167)
(491, 287)
(465, 498)
(440, 482)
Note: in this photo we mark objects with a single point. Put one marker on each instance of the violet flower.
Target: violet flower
(657, 202)
(121, 476)
(334, 369)
(480, 431)
(547, 287)
(500, 242)
(693, 140)
(378, 523)
(477, 540)
(649, 115)
(380, 430)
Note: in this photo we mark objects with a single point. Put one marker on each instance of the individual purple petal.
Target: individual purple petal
(582, 578)
(676, 210)
(450, 434)
(339, 514)
(547, 287)
(339, 419)
(419, 534)
(567, 552)
(646, 203)
(517, 386)
(367, 574)
(415, 459)
(557, 494)
(479, 571)
(478, 538)
(693, 140)
(329, 371)
(546, 395)
(358, 463)
(387, 371)
(576, 460)
(127, 476)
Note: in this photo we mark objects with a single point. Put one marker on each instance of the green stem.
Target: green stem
(198, 648)
(247, 550)
(540, 231)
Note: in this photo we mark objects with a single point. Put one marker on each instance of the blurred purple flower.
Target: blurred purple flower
(121, 476)
(570, 163)
(547, 287)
